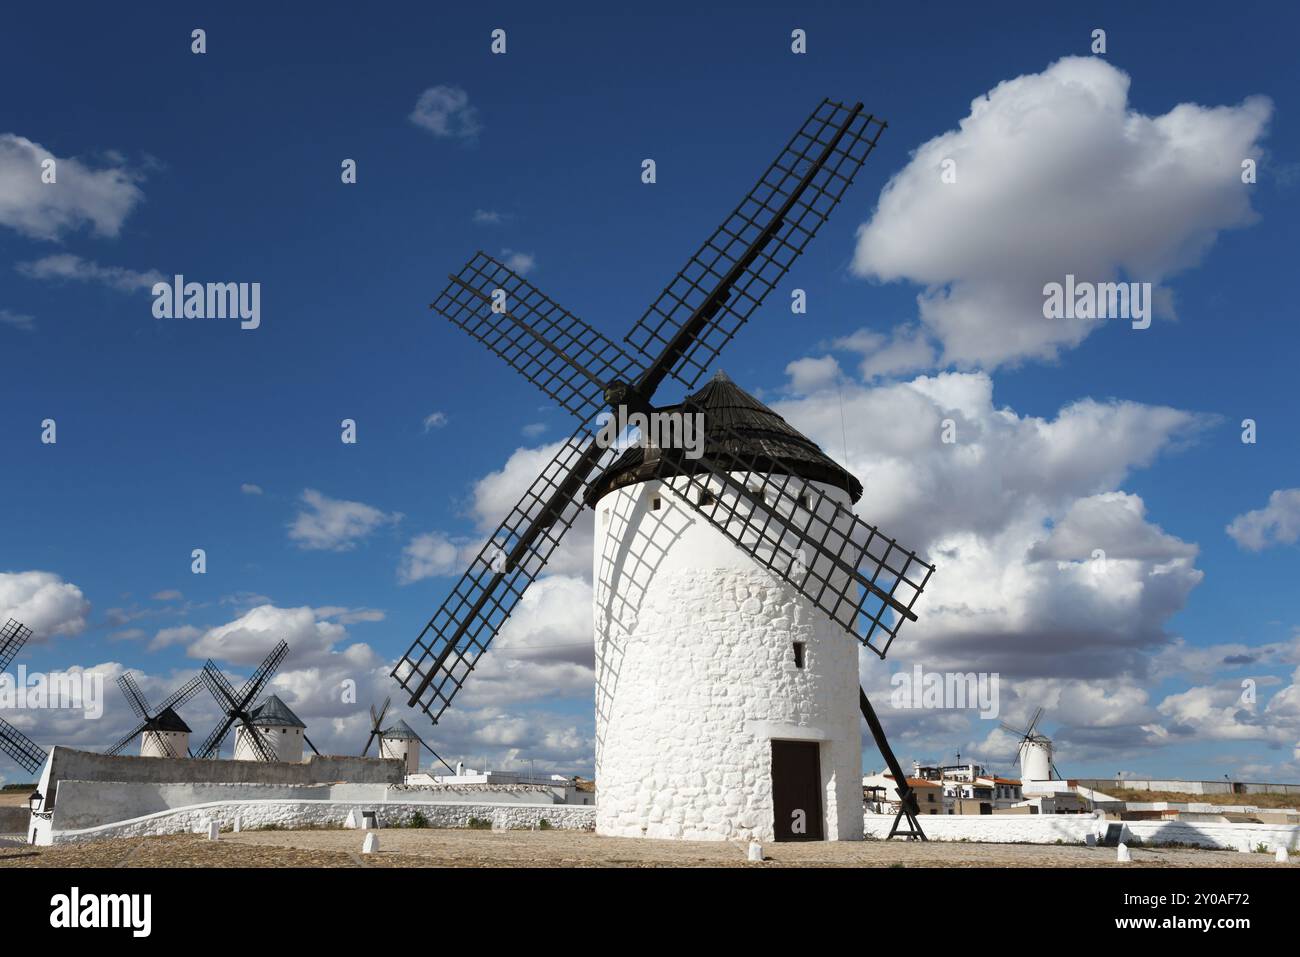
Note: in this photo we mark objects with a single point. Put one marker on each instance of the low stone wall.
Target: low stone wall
(252, 815)
(994, 828)
(70, 764)
(1216, 834)
(1075, 828)
(1118, 786)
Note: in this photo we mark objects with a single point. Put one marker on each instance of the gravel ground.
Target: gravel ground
(467, 848)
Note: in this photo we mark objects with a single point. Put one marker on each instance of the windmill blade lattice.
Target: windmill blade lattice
(442, 657)
(549, 346)
(25, 752)
(717, 291)
(863, 580)
(13, 636)
(376, 726)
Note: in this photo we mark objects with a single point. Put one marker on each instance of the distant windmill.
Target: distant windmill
(1034, 752)
(389, 738)
(238, 706)
(25, 752)
(158, 726)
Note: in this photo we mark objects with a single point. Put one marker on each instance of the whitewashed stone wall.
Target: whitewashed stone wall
(1075, 828)
(695, 676)
(298, 814)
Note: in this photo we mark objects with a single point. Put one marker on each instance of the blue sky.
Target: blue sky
(226, 167)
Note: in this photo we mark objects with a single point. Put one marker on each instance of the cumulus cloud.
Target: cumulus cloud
(1056, 175)
(1277, 523)
(427, 556)
(331, 524)
(66, 266)
(81, 196)
(44, 602)
(445, 111)
(248, 488)
(435, 420)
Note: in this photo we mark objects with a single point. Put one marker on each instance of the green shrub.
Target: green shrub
(417, 819)
(543, 825)
(479, 824)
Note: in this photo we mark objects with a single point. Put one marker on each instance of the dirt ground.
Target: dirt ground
(471, 848)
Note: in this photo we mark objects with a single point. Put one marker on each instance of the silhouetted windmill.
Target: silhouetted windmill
(24, 752)
(154, 720)
(238, 706)
(862, 579)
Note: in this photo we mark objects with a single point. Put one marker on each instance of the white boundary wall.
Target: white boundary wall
(252, 815)
(1075, 828)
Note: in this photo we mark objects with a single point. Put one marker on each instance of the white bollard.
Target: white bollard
(237, 824)
(371, 844)
(1123, 856)
(214, 831)
(1281, 856)
(755, 852)
(351, 822)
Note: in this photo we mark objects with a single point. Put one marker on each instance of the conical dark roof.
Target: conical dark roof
(275, 713)
(400, 731)
(167, 720)
(760, 431)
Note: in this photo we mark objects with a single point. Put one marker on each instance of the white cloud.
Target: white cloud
(904, 350)
(488, 217)
(1056, 174)
(427, 556)
(810, 375)
(534, 430)
(81, 196)
(17, 320)
(68, 266)
(435, 420)
(1277, 523)
(44, 602)
(522, 263)
(445, 111)
(248, 488)
(178, 635)
(335, 524)
(1011, 513)
(170, 594)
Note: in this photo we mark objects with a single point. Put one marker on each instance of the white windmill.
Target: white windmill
(1034, 752)
(726, 571)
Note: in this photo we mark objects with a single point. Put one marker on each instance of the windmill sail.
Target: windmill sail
(238, 705)
(717, 291)
(24, 752)
(680, 335)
